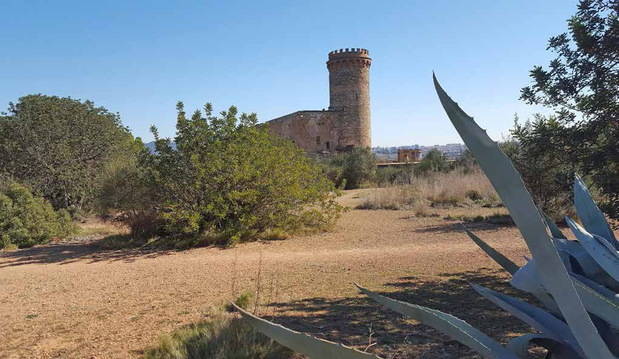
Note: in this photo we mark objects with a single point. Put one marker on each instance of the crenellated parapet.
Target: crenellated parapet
(349, 57)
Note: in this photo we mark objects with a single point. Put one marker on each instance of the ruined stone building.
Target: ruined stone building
(346, 124)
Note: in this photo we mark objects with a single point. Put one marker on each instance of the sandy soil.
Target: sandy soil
(73, 300)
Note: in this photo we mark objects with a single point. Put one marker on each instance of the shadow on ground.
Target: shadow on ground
(458, 226)
(351, 320)
(65, 253)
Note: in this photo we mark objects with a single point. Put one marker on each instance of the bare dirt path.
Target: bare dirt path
(74, 301)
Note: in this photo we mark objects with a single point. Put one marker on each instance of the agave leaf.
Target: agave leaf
(448, 324)
(588, 265)
(598, 299)
(527, 279)
(605, 256)
(503, 261)
(520, 346)
(554, 230)
(539, 319)
(302, 343)
(589, 213)
(508, 184)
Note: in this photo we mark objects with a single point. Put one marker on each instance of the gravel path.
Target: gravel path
(74, 301)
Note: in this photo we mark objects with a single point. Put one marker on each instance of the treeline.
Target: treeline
(227, 179)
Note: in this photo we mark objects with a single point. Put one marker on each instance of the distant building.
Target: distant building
(409, 155)
(346, 124)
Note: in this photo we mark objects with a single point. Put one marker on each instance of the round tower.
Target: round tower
(349, 94)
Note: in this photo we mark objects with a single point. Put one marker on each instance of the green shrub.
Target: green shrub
(433, 161)
(26, 220)
(352, 169)
(223, 180)
(221, 337)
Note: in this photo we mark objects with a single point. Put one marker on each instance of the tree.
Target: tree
(60, 146)
(548, 176)
(433, 161)
(226, 179)
(581, 86)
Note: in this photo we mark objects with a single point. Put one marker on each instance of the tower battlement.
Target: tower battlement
(348, 52)
(349, 57)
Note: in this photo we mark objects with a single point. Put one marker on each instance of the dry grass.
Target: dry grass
(455, 188)
(96, 227)
(222, 336)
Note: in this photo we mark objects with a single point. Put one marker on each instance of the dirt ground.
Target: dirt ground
(73, 300)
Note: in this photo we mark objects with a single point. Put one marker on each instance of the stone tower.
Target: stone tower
(349, 94)
(346, 124)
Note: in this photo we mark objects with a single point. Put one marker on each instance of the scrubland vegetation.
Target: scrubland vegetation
(26, 220)
(458, 187)
(222, 179)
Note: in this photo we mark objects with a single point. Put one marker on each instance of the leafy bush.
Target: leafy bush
(127, 194)
(26, 220)
(221, 337)
(352, 169)
(433, 161)
(60, 146)
(224, 179)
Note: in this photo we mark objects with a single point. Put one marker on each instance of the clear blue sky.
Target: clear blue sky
(139, 57)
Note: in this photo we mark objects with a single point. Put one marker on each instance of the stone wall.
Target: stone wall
(313, 131)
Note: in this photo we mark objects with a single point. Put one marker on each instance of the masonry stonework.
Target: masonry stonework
(346, 124)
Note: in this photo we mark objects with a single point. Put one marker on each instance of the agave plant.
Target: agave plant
(575, 280)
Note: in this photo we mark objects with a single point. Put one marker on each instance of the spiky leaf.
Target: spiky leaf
(302, 343)
(539, 319)
(448, 324)
(598, 299)
(498, 257)
(589, 213)
(510, 187)
(604, 255)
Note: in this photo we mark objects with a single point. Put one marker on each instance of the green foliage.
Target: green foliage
(433, 161)
(224, 179)
(221, 337)
(352, 169)
(127, 193)
(242, 301)
(580, 85)
(547, 174)
(26, 220)
(60, 146)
